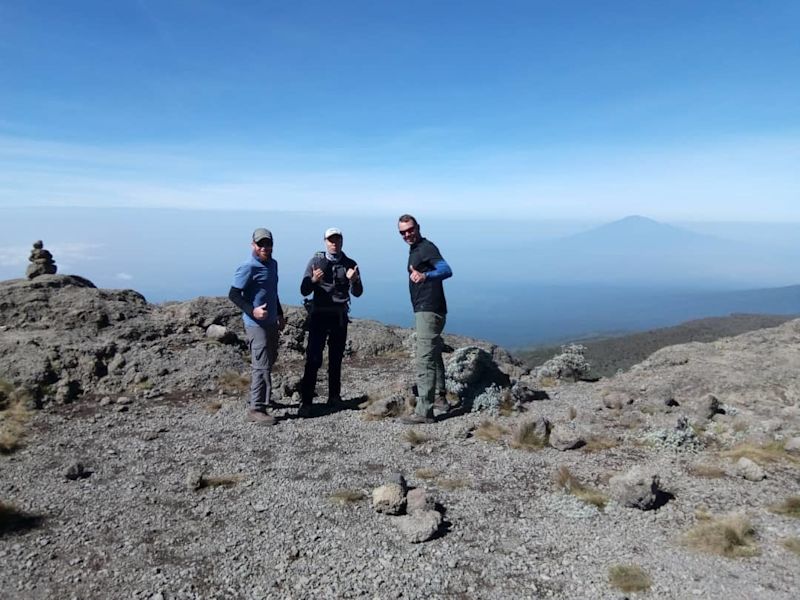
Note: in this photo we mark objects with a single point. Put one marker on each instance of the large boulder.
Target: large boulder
(470, 371)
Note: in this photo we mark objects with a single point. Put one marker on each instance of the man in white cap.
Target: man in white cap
(255, 292)
(331, 276)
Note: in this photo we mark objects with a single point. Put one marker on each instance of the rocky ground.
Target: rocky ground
(607, 355)
(158, 488)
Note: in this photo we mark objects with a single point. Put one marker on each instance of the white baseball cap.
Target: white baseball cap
(332, 231)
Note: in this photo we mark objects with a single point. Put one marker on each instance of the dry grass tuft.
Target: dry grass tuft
(708, 471)
(489, 431)
(568, 482)
(572, 412)
(452, 484)
(212, 406)
(371, 398)
(219, 481)
(730, 536)
(789, 507)
(525, 437)
(233, 382)
(629, 578)
(14, 417)
(598, 443)
(506, 406)
(415, 438)
(768, 453)
(12, 519)
(347, 496)
(792, 544)
(548, 382)
(425, 474)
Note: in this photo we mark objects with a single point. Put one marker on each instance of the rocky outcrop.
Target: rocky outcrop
(64, 338)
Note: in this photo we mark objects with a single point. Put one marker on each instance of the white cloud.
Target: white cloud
(14, 256)
(124, 276)
(735, 178)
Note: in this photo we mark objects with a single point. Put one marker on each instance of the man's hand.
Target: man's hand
(260, 312)
(316, 275)
(416, 276)
(281, 322)
(352, 274)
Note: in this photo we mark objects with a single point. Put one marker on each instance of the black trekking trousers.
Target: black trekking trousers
(330, 327)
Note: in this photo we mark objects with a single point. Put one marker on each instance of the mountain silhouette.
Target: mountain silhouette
(642, 251)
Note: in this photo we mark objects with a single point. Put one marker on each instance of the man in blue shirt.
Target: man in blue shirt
(255, 292)
(426, 271)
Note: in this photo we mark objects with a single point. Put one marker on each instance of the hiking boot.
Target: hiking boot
(441, 404)
(334, 401)
(415, 419)
(304, 411)
(260, 417)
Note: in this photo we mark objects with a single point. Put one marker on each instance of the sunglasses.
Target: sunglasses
(405, 232)
(264, 244)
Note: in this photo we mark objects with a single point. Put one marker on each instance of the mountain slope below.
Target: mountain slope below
(608, 355)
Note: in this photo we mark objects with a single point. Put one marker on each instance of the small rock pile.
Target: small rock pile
(42, 262)
(421, 521)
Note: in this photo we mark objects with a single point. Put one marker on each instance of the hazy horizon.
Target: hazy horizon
(501, 290)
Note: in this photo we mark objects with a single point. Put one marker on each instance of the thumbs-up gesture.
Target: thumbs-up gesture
(260, 312)
(416, 276)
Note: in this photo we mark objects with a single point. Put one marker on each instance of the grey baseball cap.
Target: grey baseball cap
(262, 234)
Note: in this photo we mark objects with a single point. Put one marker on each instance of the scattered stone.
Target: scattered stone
(399, 479)
(792, 445)
(389, 499)
(124, 400)
(418, 500)
(420, 526)
(709, 406)
(638, 488)
(105, 401)
(616, 400)
(566, 437)
(749, 470)
(77, 471)
(195, 480)
(221, 334)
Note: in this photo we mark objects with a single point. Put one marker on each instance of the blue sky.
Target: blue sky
(680, 110)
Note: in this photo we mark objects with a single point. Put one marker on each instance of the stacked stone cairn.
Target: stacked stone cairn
(42, 262)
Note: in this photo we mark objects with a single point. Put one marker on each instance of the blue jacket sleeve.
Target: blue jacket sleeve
(441, 270)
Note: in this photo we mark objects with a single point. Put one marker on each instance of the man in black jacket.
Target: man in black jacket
(331, 276)
(426, 271)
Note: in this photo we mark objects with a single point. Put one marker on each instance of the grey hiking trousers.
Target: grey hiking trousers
(430, 366)
(263, 342)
